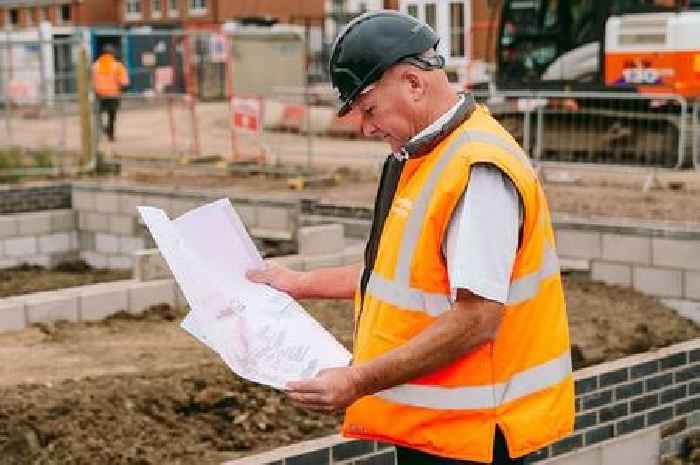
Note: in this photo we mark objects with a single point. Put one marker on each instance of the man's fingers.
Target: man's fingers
(319, 407)
(305, 385)
(258, 276)
(307, 397)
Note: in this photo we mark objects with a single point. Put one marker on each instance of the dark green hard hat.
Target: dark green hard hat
(370, 44)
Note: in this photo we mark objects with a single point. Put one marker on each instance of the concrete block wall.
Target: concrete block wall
(85, 303)
(633, 410)
(149, 265)
(110, 229)
(321, 239)
(658, 259)
(36, 196)
(43, 238)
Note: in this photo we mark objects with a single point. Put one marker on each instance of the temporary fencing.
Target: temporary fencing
(245, 96)
(696, 135)
(601, 128)
(39, 81)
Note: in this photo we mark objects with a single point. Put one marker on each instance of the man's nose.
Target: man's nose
(368, 129)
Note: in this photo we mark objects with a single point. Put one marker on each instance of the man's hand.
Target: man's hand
(332, 389)
(280, 278)
(323, 283)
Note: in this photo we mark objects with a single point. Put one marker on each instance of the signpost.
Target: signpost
(246, 119)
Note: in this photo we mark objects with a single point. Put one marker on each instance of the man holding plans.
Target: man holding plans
(461, 347)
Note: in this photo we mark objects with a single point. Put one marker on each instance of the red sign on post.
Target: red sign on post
(246, 114)
(164, 77)
(22, 91)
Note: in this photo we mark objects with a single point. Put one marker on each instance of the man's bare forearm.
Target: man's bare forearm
(454, 334)
(330, 283)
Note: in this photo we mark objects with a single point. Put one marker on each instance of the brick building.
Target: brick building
(22, 14)
(467, 28)
(193, 14)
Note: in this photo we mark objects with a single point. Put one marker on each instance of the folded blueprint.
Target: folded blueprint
(262, 334)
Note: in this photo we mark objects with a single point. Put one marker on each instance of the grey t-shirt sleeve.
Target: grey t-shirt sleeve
(482, 236)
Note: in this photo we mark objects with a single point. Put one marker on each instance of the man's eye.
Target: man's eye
(369, 111)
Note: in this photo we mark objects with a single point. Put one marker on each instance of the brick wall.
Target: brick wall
(96, 12)
(34, 198)
(285, 11)
(643, 391)
(657, 392)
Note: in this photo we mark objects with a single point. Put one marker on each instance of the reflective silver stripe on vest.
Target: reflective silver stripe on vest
(416, 219)
(403, 296)
(527, 287)
(522, 384)
(501, 143)
(521, 290)
(398, 292)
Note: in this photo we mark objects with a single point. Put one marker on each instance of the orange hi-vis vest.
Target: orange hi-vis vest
(109, 76)
(522, 379)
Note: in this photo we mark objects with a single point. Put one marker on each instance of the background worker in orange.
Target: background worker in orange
(461, 348)
(109, 77)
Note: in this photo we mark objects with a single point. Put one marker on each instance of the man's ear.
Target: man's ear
(416, 83)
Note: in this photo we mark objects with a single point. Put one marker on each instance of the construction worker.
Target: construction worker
(461, 348)
(109, 77)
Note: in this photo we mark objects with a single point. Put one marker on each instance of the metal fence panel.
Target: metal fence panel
(695, 135)
(599, 128)
(38, 95)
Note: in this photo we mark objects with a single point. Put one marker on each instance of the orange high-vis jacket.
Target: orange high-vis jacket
(109, 76)
(522, 379)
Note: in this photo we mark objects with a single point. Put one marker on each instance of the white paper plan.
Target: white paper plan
(262, 334)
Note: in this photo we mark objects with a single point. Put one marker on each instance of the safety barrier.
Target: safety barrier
(599, 127)
(181, 103)
(696, 135)
(39, 82)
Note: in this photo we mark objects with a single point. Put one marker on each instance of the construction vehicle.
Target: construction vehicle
(603, 47)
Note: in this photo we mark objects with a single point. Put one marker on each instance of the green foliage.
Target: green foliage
(42, 159)
(10, 158)
(17, 158)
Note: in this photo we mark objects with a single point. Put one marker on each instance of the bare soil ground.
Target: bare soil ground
(139, 390)
(24, 279)
(581, 191)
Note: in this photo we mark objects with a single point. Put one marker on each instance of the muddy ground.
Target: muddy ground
(585, 192)
(141, 391)
(23, 279)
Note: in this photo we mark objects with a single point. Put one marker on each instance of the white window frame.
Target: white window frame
(449, 4)
(197, 7)
(59, 13)
(442, 26)
(173, 9)
(8, 18)
(133, 15)
(369, 5)
(156, 13)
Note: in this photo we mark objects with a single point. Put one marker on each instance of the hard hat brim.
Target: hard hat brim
(345, 108)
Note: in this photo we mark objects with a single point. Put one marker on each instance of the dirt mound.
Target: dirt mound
(609, 322)
(25, 278)
(160, 312)
(139, 390)
(194, 416)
